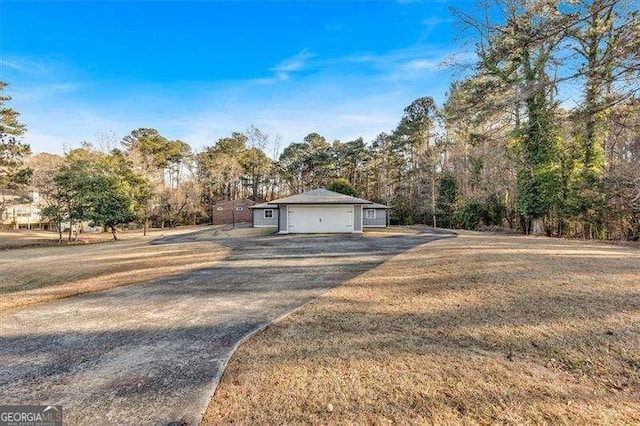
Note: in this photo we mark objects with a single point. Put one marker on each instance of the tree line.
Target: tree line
(545, 132)
(541, 135)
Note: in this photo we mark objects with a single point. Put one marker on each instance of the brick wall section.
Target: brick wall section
(224, 213)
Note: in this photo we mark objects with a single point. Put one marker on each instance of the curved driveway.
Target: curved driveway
(153, 353)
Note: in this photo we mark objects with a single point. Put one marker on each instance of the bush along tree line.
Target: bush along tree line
(505, 149)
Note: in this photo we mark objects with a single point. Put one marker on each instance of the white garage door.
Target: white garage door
(310, 219)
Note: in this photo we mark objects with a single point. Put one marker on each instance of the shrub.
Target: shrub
(473, 215)
(343, 186)
(446, 208)
(496, 211)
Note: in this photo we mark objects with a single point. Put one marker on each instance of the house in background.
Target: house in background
(23, 212)
(319, 211)
(231, 212)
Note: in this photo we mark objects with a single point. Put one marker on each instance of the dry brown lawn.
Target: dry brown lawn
(478, 329)
(41, 274)
(10, 240)
(241, 232)
(391, 230)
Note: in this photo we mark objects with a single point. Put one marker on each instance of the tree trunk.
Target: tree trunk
(538, 228)
(70, 229)
(59, 232)
(114, 231)
(254, 187)
(211, 209)
(525, 223)
(433, 195)
(145, 226)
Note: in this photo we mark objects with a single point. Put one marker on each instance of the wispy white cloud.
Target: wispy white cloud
(400, 65)
(29, 65)
(339, 106)
(422, 64)
(44, 91)
(285, 68)
(274, 78)
(432, 21)
(356, 95)
(406, 2)
(338, 110)
(296, 62)
(11, 64)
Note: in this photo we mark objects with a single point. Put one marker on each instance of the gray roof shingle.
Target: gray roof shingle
(264, 206)
(375, 206)
(320, 196)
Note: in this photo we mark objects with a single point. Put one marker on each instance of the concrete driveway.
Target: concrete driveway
(153, 353)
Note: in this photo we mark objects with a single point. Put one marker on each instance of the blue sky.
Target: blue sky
(198, 71)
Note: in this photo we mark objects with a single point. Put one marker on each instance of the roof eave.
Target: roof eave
(302, 203)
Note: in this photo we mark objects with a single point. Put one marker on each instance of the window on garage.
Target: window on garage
(370, 214)
(268, 213)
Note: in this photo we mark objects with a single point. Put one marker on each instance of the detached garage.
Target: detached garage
(317, 211)
(318, 219)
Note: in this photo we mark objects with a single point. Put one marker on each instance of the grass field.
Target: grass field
(10, 240)
(480, 328)
(45, 273)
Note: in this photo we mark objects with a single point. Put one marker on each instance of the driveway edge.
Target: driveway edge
(197, 416)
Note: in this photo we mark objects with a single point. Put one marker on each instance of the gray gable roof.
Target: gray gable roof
(264, 206)
(373, 206)
(320, 196)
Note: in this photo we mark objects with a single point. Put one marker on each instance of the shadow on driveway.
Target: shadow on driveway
(154, 352)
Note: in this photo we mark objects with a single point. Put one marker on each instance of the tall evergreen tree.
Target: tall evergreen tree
(12, 151)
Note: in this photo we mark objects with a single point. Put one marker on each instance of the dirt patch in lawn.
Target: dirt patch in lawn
(482, 328)
(42, 274)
